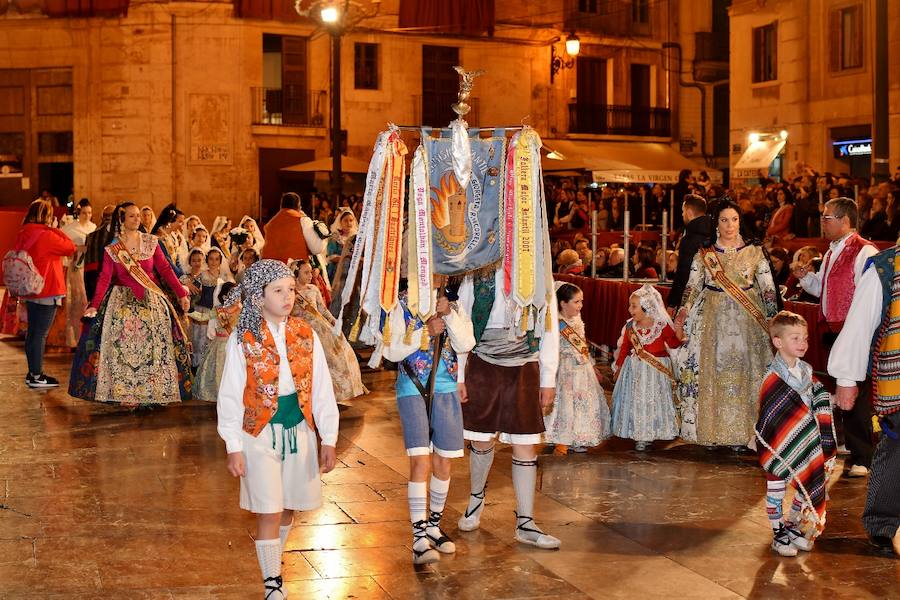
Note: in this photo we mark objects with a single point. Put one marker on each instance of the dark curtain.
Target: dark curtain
(275, 10)
(85, 8)
(470, 17)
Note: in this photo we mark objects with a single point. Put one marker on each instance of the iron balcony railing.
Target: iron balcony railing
(619, 120)
(293, 105)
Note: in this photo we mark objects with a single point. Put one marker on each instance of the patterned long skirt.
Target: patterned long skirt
(643, 409)
(209, 375)
(133, 353)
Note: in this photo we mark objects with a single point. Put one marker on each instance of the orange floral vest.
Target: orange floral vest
(261, 389)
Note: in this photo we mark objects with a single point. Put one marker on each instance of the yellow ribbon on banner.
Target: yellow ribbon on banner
(523, 290)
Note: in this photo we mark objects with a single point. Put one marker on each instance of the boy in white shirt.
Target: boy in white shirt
(276, 392)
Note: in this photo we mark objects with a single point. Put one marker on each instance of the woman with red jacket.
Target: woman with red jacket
(47, 246)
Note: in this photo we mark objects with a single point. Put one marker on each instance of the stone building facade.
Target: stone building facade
(805, 67)
(186, 102)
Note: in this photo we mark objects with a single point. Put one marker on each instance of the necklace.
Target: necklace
(132, 241)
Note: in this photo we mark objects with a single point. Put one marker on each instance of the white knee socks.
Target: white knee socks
(437, 500)
(438, 494)
(775, 490)
(480, 462)
(283, 533)
(269, 554)
(524, 476)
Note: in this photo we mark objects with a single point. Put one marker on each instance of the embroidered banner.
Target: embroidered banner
(466, 226)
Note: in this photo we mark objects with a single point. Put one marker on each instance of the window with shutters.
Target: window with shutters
(285, 97)
(365, 66)
(846, 37)
(640, 11)
(440, 85)
(588, 6)
(765, 53)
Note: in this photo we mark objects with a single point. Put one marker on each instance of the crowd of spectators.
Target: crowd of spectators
(774, 212)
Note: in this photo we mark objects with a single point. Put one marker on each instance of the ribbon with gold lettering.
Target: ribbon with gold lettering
(393, 231)
(509, 215)
(523, 284)
(541, 251)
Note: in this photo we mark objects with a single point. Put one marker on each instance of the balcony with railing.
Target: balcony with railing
(612, 119)
(711, 52)
(289, 105)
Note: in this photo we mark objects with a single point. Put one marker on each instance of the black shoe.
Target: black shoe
(41, 381)
(882, 544)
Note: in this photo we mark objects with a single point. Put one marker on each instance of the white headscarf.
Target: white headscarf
(184, 228)
(250, 225)
(336, 224)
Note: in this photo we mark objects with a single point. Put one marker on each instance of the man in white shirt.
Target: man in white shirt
(865, 346)
(835, 283)
(505, 382)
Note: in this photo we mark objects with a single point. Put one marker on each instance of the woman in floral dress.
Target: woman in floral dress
(136, 351)
(729, 298)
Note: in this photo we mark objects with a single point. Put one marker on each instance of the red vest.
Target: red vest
(840, 282)
(284, 237)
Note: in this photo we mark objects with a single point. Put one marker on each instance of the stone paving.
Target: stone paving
(102, 502)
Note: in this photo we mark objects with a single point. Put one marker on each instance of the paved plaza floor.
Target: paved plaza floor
(99, 501)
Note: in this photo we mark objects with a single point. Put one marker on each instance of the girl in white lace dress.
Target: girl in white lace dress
(580, 416)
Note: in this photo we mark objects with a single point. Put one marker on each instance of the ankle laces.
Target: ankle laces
(420, 532)
(478, 496)
(523, 526)
(274, 586)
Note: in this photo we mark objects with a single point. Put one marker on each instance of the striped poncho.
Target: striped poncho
(796, 435)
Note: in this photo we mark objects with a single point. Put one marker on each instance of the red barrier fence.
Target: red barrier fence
(606, 310)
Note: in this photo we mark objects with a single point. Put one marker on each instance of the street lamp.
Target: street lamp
(336, 16)
(329, 15)
(573, 46)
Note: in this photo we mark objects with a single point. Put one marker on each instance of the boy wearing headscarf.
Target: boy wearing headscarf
(276, 393)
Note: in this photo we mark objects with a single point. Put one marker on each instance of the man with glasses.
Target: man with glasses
(834, 284)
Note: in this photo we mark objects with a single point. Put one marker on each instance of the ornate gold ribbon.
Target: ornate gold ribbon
(645, 356)
(509, 215)
(717, 271)
(578, 342)
(140, 275)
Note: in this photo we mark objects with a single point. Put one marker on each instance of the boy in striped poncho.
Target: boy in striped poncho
(794, 437)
